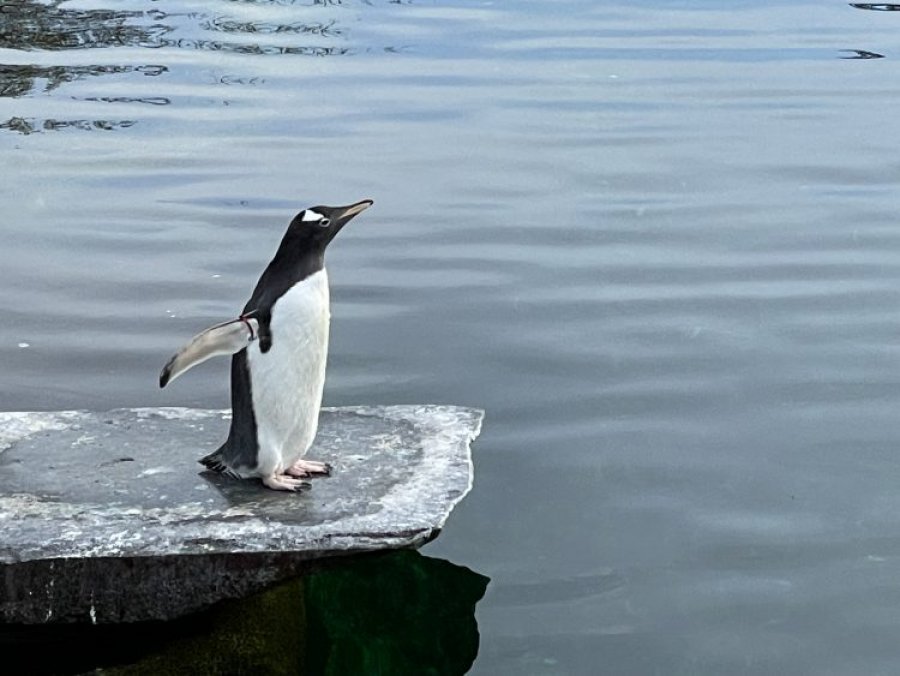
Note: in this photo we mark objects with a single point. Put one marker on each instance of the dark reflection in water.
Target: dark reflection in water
(21, 80)
(151, 100)
(31, 125)
(302, 3)
(226, 25)
(29, 26)
(876, 6)
(26, 25)
(238, 80)
(255, 49)
(397, 613)
(861, 54)
(410, 614)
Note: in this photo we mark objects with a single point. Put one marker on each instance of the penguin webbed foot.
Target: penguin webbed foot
(309, 468)
(283, 482)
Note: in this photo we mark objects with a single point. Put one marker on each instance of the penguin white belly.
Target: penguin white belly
(287, 381)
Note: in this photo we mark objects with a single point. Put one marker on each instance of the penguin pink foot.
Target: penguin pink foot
(283, 482)
(305, 468)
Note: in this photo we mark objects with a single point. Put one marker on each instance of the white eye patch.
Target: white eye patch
(310, 215)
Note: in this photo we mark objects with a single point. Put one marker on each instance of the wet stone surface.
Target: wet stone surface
(107, 517)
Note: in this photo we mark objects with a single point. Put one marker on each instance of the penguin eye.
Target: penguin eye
(324, 223)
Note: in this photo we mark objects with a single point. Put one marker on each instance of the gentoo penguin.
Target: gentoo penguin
(280, 345)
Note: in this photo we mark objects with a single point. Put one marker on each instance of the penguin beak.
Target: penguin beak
(344, 214)
(340, 216)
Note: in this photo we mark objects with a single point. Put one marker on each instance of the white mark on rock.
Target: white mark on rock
(24, 345)
(173, 413)
(50, 595)
(150, 471)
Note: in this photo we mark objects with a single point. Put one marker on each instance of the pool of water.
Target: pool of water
(658, 242)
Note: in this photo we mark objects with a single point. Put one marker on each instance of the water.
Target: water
(657, 241)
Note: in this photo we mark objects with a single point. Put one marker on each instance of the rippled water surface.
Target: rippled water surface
(659, 242)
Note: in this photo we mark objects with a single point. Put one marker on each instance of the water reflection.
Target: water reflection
(861, 54)
(151, 100)
(238, 80)
(31, 125)
(31, 26)
(226, 25)
(290, 3)
(19, 80)
(28, 26)
(409, 614)
(876, 6)
(251, 48)
(396, 613)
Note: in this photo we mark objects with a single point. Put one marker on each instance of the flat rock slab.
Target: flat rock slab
(107, 517)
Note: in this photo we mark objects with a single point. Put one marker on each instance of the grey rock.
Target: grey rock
(106, 517)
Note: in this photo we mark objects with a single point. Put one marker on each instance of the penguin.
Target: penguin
(279, 345)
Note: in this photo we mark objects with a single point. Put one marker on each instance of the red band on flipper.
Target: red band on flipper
(249, 327)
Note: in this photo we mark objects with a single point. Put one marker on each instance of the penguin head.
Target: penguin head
(317, 226)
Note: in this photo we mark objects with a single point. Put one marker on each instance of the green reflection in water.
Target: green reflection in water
(408, 614)
(393, 614)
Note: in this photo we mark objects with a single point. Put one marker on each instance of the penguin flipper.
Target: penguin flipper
(221, 339)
